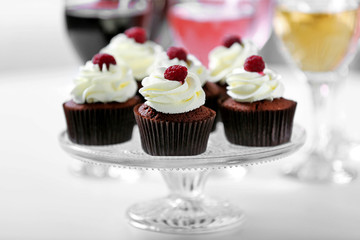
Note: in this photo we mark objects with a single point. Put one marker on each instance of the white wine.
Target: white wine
(317, 42)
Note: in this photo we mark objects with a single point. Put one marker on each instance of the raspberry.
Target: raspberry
(106, 4)
(176, 73)
(103, 58)
(177, 52)
(254, 63)
(137, 33)
(230, 40)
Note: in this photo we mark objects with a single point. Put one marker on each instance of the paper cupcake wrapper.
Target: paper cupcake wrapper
(212, 103)
(223, 90)
(258, 128)
(212, 92)
(138, 93)
(100, 126)
(161, 138)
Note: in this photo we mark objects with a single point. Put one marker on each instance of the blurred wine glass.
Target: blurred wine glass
(92, 23)
(320, 38)
(199, 26)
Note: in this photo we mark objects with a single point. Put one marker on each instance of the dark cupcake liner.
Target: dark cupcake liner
(100, 126)
(212, 92)
(223, 90)
(139, 85)
(162, 138)
(258, 128)
(223, 95)
(212, 103)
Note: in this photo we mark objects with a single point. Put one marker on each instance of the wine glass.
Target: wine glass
(91, 24)
(201, 25)
(320, 38)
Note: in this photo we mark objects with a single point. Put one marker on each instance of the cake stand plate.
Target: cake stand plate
(219, 153)
(185, 210)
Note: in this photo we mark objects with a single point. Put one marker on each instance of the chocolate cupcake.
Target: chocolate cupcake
(227, 57)
(178, 56)
(256, 114)
(172, 121)
(135, 50)
(101, 109)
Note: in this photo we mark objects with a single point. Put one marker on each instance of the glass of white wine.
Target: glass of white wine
(320, 37)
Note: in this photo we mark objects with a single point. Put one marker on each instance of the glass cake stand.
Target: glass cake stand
(185, 210)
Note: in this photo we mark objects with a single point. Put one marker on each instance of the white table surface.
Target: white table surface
(41, 199)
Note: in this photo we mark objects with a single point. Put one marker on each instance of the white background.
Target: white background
(41, 197)
(33, 36)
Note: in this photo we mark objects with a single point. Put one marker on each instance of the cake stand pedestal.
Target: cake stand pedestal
(186, 210)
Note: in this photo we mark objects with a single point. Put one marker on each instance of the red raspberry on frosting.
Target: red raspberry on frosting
(176, 73)
(103, 58)
(105, 4)
(177, 52)
(137, 33)
(230, 40)
(254, 63)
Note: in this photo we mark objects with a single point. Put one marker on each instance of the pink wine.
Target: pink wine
(201, 27)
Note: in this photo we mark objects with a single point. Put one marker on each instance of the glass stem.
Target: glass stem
(323, 92)
(186, 184)
(320, 94)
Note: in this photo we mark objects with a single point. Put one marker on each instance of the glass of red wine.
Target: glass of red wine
(92, 23)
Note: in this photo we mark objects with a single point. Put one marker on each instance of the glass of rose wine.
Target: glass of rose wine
(320, 38)
(201, 25)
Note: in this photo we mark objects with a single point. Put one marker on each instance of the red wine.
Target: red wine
(91, 26)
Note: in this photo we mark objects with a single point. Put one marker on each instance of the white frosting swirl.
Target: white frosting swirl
(192, 64)
(172, 97)
(223, 60)
(139, 56)
(115, 84)
(246, 86)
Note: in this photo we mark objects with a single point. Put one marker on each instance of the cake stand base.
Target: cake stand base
(185, 216)
(186, 210)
